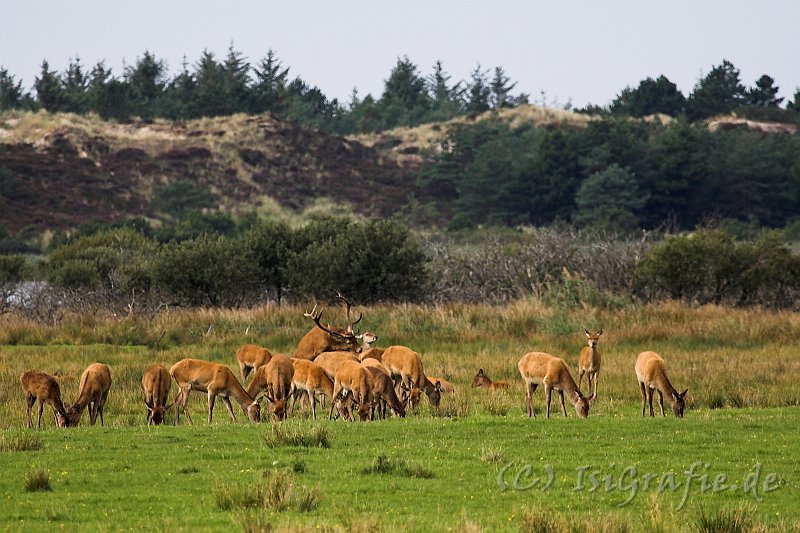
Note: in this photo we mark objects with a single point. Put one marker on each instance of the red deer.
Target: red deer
(446, 386)
(383, 392)
(405, 367)
(367, 350)
(156, 383)
(92, 393)
(482, 380)
(43, 388)
(330, 361)
(538, 368)
(250, 357)
(651, 371)
(310, 379)
(589, 361)
(275, 380)
(352, 377)
(328, 338)
(214, 379)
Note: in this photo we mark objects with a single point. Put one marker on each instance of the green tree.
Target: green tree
(794, 105)
(49, 91)
(446, 99)
(719, 92)
(479, 91)
(268, 246)
(76, 82)
(764, 94)
(146, 80)
(500, 88)
(236, 74)
(179, 95)
(179, 197)
(269, 88)
(650, 97)
(12, 95)
(610, 199)
(405, 98)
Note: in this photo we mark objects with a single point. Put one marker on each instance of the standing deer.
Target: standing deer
(156, 383)
(275, 379)
(214, 379)
(651, 371)
(482, 380)
(92, 393)
(383, 392)
(589, 361)
(354, 378)
(310, 379)
(327, 338)
(537, 368)
(368, 339)
(43, 388)
(405, 367)
(250, 357)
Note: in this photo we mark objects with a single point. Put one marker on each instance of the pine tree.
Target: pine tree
(479, 92)
(501, 90)
(236, 75)
(12, 96)
(269, 88)
(75, 83)
(764, 93)
(147, 80)
(49, 91)
(719, 92)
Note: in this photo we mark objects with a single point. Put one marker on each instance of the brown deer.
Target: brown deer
(589, 361)
(156, 383)
(484, 381)
(542, 368)
(250, 357)
(310, 379)
(383, 392)
(651, 371)
(445, 386)
(214, 379)
(43, 388)
(275, 380)
(405, 367)
(92, 393)
(330, 361)
(354, 378)
(368, 339)
(327, 338)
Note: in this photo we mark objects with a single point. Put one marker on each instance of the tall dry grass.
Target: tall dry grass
(727, 358)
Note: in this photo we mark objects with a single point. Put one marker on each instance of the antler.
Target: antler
(316, 316)
(350, 323)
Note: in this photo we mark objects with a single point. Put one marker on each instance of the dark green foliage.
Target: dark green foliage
(719, 92)
(12, 95)
(764, 94)
(710, 267)
(195, 223)
(650, 97)
(398, 467)
(609, 199)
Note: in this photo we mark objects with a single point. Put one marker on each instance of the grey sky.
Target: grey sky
(583, 51)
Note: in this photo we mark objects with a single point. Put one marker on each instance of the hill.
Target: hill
(58, 171)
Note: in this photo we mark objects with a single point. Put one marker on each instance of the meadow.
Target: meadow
(478, 464)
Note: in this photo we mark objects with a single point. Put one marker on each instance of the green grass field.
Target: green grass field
(479, 465)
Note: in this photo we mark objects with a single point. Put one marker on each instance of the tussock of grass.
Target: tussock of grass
(397, 467)
(21, 442)
(37, 479)
(725, 519)
(291, 433)
(276, 491)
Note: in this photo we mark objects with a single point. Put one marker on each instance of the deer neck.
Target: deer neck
(241, 396)
(662, 384)
(570, 388)
(58, 405)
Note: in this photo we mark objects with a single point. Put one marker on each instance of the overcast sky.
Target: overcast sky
(578, 51)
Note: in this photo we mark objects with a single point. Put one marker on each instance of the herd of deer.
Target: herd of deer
(341, 365)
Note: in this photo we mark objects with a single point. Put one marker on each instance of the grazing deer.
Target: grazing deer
(92, 392)
(482, 380)
(352, 377)
(43, 388)
(327, 338)
(589, 361)
(310, 379)
(651, 371)
(383, 392)
(405, 367)
(250, 357)
(275, 379)
(538, 368)
(214, 379)
(156, 383)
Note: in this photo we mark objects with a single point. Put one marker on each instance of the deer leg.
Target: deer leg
(245, 370)
(227, 402)
(650, 400)
(30, 400)
(661, 402)
(211, 397)
(337, 389)
(595, 386)
(580, 377)
(41, 407)
(103, 408)
(548, 393)
(644, 396)
(314, 404)
(563, 407)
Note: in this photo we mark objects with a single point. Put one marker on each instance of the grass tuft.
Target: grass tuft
(22, 442)
(276, 490)
(725, 519)
(397, 467)
(291, 433)
(37, 479)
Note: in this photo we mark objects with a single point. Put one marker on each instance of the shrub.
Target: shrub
(37, 479)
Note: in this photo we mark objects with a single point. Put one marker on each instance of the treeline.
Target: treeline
(216, 87)
(123, 271)
(615, 174)
(223, 86)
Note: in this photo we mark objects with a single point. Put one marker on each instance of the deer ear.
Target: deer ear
(480, 371)
(684, 393)
(586, 331)
(439, 385)
(600, 332)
